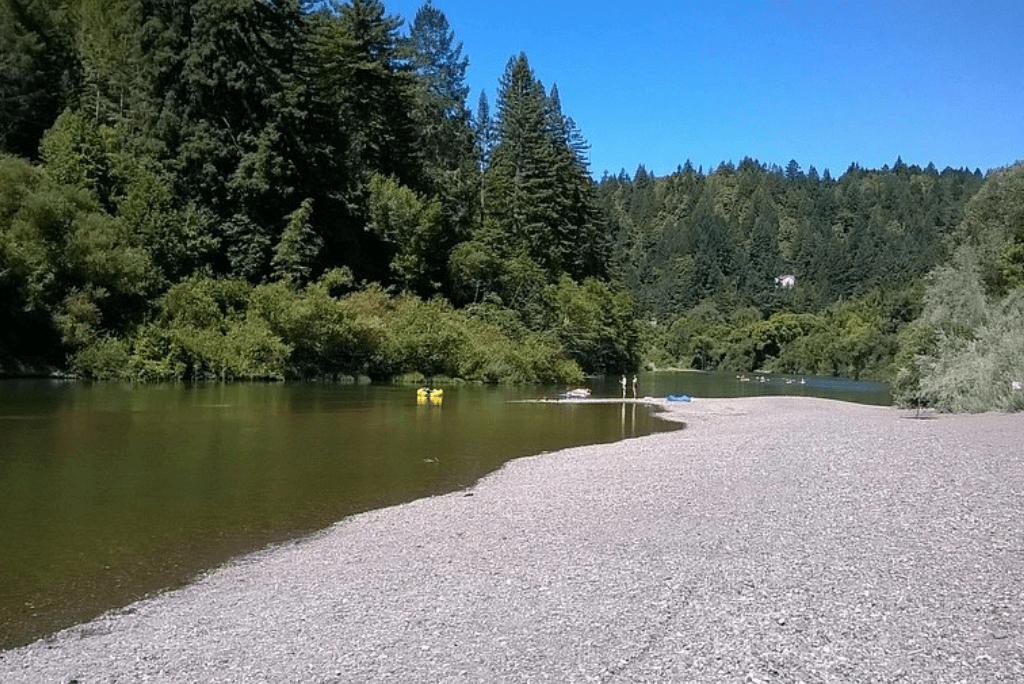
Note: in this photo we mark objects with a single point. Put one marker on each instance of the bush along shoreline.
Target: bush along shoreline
(226, 329)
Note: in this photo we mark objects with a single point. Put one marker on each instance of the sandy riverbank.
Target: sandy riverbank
(776, 539)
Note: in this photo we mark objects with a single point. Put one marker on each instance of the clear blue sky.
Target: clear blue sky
(825, 82)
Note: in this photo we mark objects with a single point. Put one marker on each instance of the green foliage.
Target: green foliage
(916, 343)
(78, 317)
(179, 240)
(241, 349)
(166, 230)
(686, 237)
(170, 230)
(323, 336)
(1010, 264)
(445, 138)
(427, 336)
(967, 348)
(409, 334)
(226, 329)
(412, 226)
(103, 358)
(540, 204)
(358, 55)
(519, 181)
(993, 231)
(63, 257)
(502, 349)
(299, 247)
(472, 268)
(204, 331)
(74, 154)
(852, 339)
(38, 71)
(976, 375)
(955, 301)
(437, 60)
(116, 78)
(595, 324)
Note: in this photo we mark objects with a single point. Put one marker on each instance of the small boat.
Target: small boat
(581, 393)
(678, 397)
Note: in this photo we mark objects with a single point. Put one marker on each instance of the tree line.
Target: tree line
(161, 147)
(707, 256)
(909, 275)
(286, 189)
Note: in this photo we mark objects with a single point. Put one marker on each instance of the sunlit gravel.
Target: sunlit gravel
(775, 539)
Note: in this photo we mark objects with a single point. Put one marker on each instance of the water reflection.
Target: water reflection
(629, 431)
(110, 492)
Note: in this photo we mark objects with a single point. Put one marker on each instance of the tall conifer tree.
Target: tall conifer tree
(520, 178)
(39, 74)
(445, 134)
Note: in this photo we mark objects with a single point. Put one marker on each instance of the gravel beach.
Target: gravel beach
(775, 539)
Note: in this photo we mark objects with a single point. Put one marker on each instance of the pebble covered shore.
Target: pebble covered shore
(775, 539)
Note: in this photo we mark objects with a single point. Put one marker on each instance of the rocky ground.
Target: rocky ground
(775, 539)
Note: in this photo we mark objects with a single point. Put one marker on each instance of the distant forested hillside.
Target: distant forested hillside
(286, 189)
(758, 267)
(727, 235)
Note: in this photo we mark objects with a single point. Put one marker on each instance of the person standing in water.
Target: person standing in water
(623, 383)
(634, 387)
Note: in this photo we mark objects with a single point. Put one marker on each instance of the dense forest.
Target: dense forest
(705, 257)
(240, 189)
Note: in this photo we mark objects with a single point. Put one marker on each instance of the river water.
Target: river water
(110, 492)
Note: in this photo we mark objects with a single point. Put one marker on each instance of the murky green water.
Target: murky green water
(724, 385)
(108, 492)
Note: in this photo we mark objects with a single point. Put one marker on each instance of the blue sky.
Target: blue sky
(825, 82)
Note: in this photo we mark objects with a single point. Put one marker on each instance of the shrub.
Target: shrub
(105, 358)
(975, 375)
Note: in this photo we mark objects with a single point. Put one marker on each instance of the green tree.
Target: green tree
(473, 267)
(232, 117)
(793, 171)
(299, 247)
(412, 226)
(446, 139)
(519, 180)
(180, 239)
(74, 154)
(203, 330)
(118, 76)
(65, 264)
(577, 234)
(39, 74)
(360, 71)
(993, 228)
(763, 262)
(965, 350)
(595, 324)
(916, 344)
(322, 335)
(712, 251)
(539, 195)
(438, 62)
